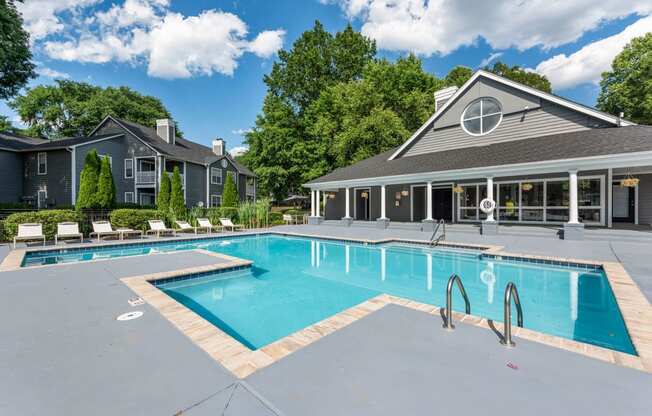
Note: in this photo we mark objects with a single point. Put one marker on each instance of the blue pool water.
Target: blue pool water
(296, 282)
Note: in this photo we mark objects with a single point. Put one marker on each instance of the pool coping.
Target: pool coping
(634, 307)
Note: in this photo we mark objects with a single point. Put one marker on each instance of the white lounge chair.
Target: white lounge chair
(185, 227)
(68, 230)
(158, 227)
(205, 223)
(288, 219)
(30, 232)
(227, 223)
(103, 229)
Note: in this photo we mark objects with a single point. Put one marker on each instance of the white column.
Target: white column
(317, 203)
(324, 197)
(347, 208)
(573, 217)
(383, 203)
(312, 203)
(429, 201)
(610, 214)
(490, 195)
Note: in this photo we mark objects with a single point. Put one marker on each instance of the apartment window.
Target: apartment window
(129, 197)
(129, 169)
(216, 200)
(42, 160)
(42, 198)
(216, 176)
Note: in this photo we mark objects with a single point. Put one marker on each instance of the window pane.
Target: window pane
(532, 215)
(467, 198)
(468, 214)
(472, 126)
(589, 215)
(557, 214)
(557, 194)
(483, 192)
(490, 107)
(473, 110)
(508, 195)
(532, 194)
(588, 192)
(489, 122)
(508, 214)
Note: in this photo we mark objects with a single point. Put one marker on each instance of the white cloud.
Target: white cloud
(241, 132)
(238, 151)
(489, 59)
(431, 27)
(40, 17)
(170, 44)
(587, 64)
(51, 73)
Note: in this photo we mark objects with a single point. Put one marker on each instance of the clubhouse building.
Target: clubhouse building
(540, 158)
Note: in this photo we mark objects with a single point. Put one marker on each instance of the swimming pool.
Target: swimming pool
(295, 282)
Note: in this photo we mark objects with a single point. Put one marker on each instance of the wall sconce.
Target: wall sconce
(365, 195)
(527, 186)
(405, 192)
(458, 189)
(397, 203)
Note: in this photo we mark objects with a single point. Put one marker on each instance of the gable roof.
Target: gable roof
(183, 149)
(533, 91)
(556, 147)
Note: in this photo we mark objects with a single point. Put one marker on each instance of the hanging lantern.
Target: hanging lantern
(458, 189)
(405, 192)
(365, 195)
(527, 186)
(629, 182)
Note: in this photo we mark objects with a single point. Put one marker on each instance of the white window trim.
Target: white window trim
(38, 198)
(132, 168)
(219, 198)
(133, 200)
(481, 116)
(214, 169)
(545, 207)
(38, 163)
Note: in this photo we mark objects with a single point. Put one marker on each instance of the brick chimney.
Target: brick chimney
(165, 130)
(441, 96)
(219, 147)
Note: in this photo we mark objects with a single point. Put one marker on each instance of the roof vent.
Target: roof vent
(441, 96)
(219, 147)
(165, 130)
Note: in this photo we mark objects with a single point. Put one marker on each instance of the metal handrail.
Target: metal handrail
(448, 323)
(510, 291)
(441, 224)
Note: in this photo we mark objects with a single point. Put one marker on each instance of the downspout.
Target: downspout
(73, 176)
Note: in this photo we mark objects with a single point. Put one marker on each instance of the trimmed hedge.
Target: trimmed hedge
(276, 218)
(135, 218)
(49, 219)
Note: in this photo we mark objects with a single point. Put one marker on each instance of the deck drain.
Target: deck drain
(136, 301)
(129, 316)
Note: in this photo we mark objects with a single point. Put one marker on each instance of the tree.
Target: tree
(88, 181)
(230, 193)
(163, 197)
(177, 201)
(16, 68)
(458, 76)
(105, 186)
(71, 108)
(627, 87)
(5, 124)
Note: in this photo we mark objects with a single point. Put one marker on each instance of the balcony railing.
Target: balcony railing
(146, 177)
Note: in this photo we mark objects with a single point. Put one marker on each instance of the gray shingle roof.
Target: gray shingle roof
(182, 149)
(69, 141)
(14, 141)
(587, 143)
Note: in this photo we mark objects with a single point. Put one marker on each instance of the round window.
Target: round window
(481, 116)
(224, 163)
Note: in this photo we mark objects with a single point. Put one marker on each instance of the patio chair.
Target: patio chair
(30, 232)
(103, 229)
(227, 223)
(205, 223)
(158, 227)
(288, 219)
(68, 230)
(185, 227)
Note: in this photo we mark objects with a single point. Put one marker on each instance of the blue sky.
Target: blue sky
(206, 59)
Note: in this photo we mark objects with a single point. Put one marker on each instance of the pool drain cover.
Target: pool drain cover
(129, 316)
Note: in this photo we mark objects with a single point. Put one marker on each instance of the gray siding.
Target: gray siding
(215, 189)
(11, 185)
(57, 182)
(119, 148)
(195, 184)
(645, 199)
(542, 118)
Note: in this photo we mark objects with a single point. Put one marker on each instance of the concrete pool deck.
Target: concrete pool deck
(64, 353)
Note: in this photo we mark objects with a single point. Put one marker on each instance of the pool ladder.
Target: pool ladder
(434, 240)
(510, 293)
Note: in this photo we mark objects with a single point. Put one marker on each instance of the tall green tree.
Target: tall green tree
(70, 108)
(163, 197)
(88, 181)
(105, 185)
(16, 67)
(5, 124)
(177, 201)
(230, 193)
(460, 74)
(627, 87)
